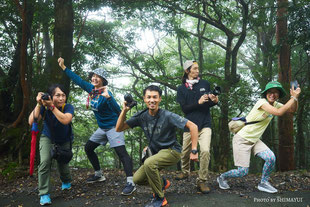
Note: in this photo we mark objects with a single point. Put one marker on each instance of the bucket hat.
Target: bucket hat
(102, 73)
(277, 85)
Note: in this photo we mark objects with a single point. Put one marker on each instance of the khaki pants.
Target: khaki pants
(242, 149)
(148, 173)
(204, 141)
(44, 171)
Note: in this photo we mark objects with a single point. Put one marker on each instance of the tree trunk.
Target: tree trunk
(23, 61)
(286, 141)
(63, 41)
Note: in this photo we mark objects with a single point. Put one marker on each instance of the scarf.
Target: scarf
(93, 94)
(189, 83)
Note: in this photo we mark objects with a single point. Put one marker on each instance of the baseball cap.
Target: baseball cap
(188, 63)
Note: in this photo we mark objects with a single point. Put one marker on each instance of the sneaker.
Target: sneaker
(65, 186)
(94, 178)
(222, 183)
(267, 187)
(202, 187)
(157, 202)
(129, 189)
(45, 200)
(165, 186)
(181, 176)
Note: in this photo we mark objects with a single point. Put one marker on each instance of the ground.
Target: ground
(293, 186)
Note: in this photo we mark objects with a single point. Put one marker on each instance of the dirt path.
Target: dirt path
(294, 190)
(255, 199)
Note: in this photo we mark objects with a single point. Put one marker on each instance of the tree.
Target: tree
(285, 124)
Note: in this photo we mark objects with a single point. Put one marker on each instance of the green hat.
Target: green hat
(277, 85)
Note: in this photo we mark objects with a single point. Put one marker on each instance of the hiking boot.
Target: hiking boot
(222, 183)
(166, 184)
(157, 202)
(202, 187)
(267, 187)
(129, 189)
(94, 178)
(181, 176)
(65, 186)
(45, 200)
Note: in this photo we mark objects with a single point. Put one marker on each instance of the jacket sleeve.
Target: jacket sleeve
(78, 80)
(113, 104)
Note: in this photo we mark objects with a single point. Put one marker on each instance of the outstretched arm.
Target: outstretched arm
(74, 77)
(290, 106)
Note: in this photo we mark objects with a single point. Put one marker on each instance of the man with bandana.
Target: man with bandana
(196, 99)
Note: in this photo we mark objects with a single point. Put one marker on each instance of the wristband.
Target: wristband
(38, 105)
(294, 98)
(51, 108)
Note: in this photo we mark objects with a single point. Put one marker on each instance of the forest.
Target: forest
(240, 45)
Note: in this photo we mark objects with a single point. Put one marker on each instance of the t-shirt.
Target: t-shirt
(61, 133)
(253, 132)
(188, 100)
(164, 135)
(106, 110)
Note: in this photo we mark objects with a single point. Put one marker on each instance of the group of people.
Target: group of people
(159, 126)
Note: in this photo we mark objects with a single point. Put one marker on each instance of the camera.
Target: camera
(295, 84)
(216, 91)
(45, 96)
(61, 155)
(55, 152)
(130, 102)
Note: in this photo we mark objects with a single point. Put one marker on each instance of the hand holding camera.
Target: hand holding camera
(130, 102)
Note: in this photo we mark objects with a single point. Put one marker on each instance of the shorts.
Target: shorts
(242, 149)
(103, 136)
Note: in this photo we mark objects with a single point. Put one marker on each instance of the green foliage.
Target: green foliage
(9, 170)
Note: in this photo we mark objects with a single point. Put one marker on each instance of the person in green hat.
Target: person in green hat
(247, 140)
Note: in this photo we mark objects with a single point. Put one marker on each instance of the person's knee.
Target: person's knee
(90, 146)
(271, 158)
(136, 179)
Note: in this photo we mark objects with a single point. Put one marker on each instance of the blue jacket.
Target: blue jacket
(106, 110)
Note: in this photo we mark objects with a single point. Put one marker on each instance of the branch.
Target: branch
(80, 32)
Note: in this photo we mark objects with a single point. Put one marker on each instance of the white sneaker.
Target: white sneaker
(267, 187)
(222, 183)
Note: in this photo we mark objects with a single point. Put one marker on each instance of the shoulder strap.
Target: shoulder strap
(63, 107)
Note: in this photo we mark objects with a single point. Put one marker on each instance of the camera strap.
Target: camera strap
(154, 127)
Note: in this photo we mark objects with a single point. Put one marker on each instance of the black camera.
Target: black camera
(130, 102)
(45, 96)
(216, 91)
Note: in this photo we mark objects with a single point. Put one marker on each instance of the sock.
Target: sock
(98, 173)
(130, 180)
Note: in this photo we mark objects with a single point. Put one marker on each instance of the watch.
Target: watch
(51, 108)
(194, 151)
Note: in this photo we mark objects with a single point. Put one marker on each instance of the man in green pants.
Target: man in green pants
(159, 127)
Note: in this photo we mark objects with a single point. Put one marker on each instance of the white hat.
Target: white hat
(188, 63)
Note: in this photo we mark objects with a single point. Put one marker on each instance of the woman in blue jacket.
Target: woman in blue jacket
(106, 111)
